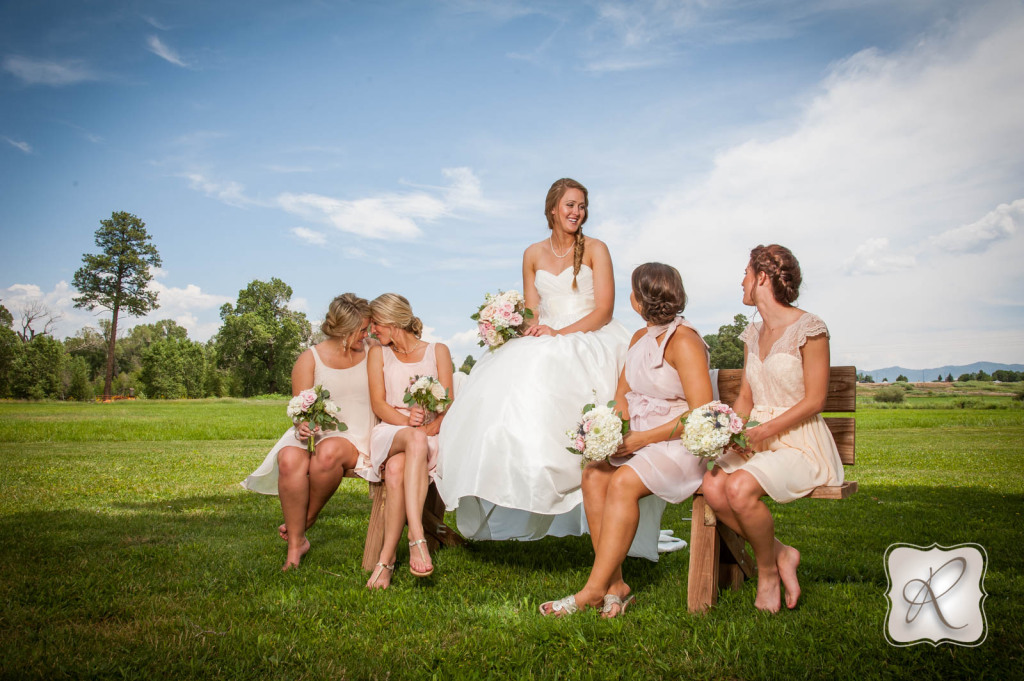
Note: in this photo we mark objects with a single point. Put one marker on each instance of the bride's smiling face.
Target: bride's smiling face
(570, 212)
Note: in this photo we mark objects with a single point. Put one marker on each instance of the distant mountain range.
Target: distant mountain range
(891, 373)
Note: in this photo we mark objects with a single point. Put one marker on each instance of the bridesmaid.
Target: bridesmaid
(785, 383)
(403, 447)
(666, 370)
(304, 483)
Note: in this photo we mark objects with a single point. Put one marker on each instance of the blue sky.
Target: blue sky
(407, 146)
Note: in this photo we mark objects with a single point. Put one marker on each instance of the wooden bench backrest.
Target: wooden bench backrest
(842, 397)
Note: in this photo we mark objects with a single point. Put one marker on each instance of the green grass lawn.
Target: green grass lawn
(130, 551)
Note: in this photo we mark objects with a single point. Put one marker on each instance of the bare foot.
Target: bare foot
(380, 578)
(282, 530)
(787, 559)
(769, 592)
(295, 556)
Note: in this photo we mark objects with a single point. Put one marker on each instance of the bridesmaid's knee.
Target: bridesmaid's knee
(741, 491)
(292, 461)
(394, 471)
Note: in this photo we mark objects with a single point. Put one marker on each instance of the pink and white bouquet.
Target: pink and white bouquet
(501, 318)
(427, 392)
(314, 406)
(598, 434)
(709, 428)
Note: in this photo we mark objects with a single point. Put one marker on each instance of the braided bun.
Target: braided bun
(658, 289)
(781, 268)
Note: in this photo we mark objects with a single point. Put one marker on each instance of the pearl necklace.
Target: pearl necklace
(551, 245)
(406, 352)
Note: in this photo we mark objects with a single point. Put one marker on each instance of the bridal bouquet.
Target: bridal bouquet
(314, 405)
(427, 392)
(711, 427)
(598, 434)
(501, 317)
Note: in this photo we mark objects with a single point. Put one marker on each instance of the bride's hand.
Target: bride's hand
(540, 330)
(416, 415)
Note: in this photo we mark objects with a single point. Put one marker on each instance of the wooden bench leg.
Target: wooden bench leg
(702, 584)
(375, 528)
(436, 532)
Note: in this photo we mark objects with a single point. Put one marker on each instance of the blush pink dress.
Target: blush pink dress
(655, 398)
(805, 456)
(398, 376)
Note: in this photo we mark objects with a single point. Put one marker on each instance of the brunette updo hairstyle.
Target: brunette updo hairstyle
(782, 268)
(555, 195)
(659, 291)
(345, 315)
(394, 310)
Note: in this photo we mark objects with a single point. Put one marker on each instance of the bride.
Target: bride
(503, 461)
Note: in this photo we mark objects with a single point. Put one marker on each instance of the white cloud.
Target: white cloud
(392, 216)
(874, 257)
(165, 52)
(24, 146)
(310, 236)
(891, 150)
(996, 226)
(47, 72)
(232, 193)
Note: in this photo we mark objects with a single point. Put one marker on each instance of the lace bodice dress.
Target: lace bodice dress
(503, 462)
(805, 456)
(350, 390)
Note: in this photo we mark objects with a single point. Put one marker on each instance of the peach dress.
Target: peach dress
(805, 456)
(350, 390)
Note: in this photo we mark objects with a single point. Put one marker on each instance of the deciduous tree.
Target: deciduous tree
(118, 277)
(726, 346)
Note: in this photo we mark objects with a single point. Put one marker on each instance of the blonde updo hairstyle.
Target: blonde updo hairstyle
(395, 310)
(658, 290)
(555, 195)
(345, 316)
(782, 269)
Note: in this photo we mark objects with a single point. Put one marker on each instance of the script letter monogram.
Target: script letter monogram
(925, 595)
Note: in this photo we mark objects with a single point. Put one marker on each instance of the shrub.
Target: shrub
(890, 394)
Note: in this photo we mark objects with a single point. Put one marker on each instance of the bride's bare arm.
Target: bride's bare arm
(529, 285)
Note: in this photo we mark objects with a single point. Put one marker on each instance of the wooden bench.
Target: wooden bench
(436, 532)
(718, 556)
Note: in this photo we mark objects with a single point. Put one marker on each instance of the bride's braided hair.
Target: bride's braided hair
(782, 269)
(555, 194)
(659, 291)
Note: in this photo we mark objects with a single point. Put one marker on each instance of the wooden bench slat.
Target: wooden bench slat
(847, 489)
(842, 387)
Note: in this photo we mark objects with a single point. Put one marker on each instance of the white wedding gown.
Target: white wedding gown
(503, 463)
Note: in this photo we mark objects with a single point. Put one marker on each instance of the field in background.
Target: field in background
(130, 551)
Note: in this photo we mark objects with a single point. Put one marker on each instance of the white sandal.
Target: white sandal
(377, 571)
(424, 556)
(565, 606)
(611, 601)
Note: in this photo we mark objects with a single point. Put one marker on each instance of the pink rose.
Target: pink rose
(308, 398)
(735, 423)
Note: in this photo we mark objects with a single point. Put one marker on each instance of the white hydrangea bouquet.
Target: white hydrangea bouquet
(314, 405)
(501, 318)
(598, 434)
(427, 392)
(709, 428)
